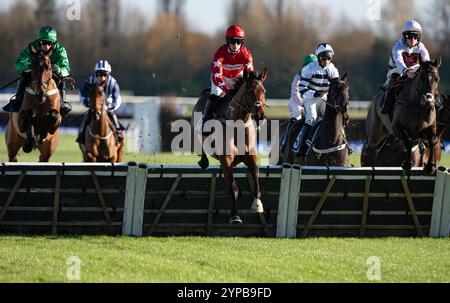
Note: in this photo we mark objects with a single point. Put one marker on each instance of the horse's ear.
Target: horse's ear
(263, 75)
(344, 77)
(438, 61)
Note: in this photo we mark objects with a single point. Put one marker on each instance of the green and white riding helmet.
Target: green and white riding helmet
(48, 33)
(309, 58)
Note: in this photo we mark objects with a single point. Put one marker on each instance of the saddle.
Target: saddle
(312, 136)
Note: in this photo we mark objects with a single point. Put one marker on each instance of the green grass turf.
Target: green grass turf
(196, 259)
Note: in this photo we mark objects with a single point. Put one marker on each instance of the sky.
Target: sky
(210, 16)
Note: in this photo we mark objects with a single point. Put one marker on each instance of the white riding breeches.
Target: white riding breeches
(217, 91)
(296, 110)
(313, 107)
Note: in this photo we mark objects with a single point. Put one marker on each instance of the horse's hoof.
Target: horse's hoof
(203, 164)
(257, 206)
(430, 169)
(406, 166)
(28, 145)
(235, 220)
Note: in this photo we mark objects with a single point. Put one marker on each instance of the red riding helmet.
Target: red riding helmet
(235, 31)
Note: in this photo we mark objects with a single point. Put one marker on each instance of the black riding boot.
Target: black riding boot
(300, 144)
(389, 97)
(82, 132)
(65, 107)
(287, 134)
(115, 121)
(210, 106)
(15, 103)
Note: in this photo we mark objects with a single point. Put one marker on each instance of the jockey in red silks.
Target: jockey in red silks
(407, 53)
(227, 67)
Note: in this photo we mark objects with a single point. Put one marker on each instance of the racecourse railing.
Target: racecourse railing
(147, 200)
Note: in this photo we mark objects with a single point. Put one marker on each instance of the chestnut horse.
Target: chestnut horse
(247, 101)
(414, 115)
(330, 146)
(101, 144)
(39, 118)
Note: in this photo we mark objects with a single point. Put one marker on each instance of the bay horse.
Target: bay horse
(330, 146)
(39, 118)
(101, 143)
(390, 152)
(413, 118)
(245, 102)
(443, 122)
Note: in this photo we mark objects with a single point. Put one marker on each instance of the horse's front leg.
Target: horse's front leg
(401, 133)
(254, 172)
(232, 190)
(430, 167)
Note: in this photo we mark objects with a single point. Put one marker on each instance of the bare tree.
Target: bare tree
(174, 7)
(395, 14)
(45, 12)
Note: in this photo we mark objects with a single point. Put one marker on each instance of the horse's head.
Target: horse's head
(255, 94)
(428, 82)
(41, 72)
(338, 96)
(96, 100)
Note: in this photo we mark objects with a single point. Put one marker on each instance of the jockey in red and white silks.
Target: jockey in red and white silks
(229, 62)
(408, 51)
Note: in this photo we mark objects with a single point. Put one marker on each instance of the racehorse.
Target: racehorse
(245, 102)
(414, 115)
(39, 118)
(101, 144)
(328, 146)
(443, 122)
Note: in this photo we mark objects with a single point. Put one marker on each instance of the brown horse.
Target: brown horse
(247, 101)
(443, 122)
(391, 150)
(330, 146)
(37, 123)
(390, 153)
(414, 115)
(101, 144)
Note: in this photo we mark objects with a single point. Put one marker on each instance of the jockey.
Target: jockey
(314, 83)
(102, 76)
(47, 42)
(295, 104)
(407, 52)
(227, 66)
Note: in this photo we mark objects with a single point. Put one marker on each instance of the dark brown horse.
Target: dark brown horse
(443, 122)
(247, 101)
(39, 118)
(330, 147)
(391, 150)
(414, 115)
(101, 144)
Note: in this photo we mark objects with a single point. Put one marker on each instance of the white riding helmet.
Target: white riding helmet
(324, 48)
(103, 65)
(412, 26)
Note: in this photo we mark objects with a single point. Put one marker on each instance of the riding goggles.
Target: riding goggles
(411, 36)
(235, 41)
(44, 42)
(101, 74)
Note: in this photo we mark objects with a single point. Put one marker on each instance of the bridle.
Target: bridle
(337, 107)
(257, 103)
(44, 84)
